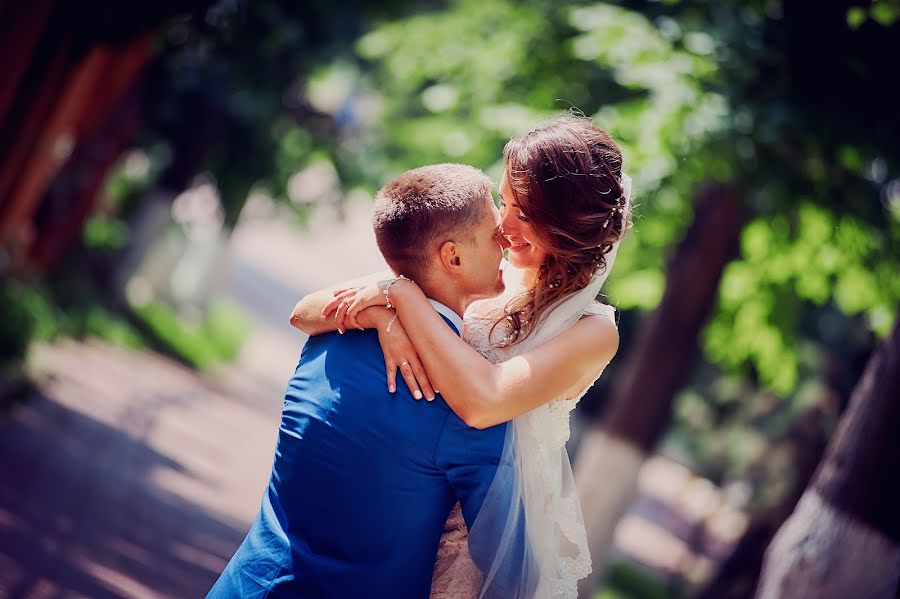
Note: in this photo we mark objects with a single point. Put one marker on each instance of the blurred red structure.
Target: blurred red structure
(66, 101)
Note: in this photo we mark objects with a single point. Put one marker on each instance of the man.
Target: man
(363, 478)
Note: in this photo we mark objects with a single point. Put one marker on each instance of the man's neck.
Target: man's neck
(447, 297)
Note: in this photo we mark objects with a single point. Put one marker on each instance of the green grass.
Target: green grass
(36, 310)
(31, 312)
(216, 340)
(626, 580)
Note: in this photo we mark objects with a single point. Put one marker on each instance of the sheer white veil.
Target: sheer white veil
(529, 538)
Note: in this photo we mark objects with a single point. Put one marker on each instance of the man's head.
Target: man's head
(438, 225)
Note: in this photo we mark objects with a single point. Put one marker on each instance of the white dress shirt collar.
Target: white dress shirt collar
(452, 316)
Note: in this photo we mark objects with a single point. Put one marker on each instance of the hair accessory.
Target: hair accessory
(619, 207)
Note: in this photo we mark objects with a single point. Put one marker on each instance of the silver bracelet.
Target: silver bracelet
(390, 323)
(387, 288)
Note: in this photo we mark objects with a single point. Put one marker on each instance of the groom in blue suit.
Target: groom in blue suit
(364, 479)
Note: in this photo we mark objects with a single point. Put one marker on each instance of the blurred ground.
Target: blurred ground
(128, 474)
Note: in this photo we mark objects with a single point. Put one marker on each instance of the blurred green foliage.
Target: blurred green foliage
(785, 103)
(35, 311)
(626, 580)
(218, 339)
(17, 324)
(105, 234)
(883, 12)
(73, 307)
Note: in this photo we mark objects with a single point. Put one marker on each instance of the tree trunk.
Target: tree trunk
(107, 129)
(654, 370)
(68, 66)
(26, 149)
(843, 540)
(739, 574)
(21, 24)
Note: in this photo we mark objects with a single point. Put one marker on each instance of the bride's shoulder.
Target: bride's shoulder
(601, 309)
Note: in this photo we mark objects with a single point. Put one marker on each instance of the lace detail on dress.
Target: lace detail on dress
(549, 427)
(455, 574)
(561, 408)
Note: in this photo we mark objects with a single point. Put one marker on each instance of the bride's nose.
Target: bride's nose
(507, 224)
(501, 239)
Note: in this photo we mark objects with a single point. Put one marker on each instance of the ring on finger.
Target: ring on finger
(404, 363)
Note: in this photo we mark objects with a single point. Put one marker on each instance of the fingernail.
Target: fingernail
(436, 391)
(340, 331)
(417, 394)
(430, 398)
(391, 388)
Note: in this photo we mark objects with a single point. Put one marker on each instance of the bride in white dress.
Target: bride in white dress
(565, 206)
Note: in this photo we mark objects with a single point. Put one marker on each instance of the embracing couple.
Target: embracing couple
(376, 494)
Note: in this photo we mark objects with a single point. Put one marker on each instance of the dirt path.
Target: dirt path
(113, 482)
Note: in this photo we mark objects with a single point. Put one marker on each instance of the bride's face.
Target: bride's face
(525, 251)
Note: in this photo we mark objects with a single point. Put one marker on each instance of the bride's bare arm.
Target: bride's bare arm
(307, 314)
(485, 394)
(399, 352)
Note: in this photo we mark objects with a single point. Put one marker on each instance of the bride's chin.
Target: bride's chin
(520, 262)
(515, 260)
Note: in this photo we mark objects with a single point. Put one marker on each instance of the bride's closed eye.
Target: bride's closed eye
(520, 216)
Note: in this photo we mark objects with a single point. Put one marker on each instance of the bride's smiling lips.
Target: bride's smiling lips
(518, 246)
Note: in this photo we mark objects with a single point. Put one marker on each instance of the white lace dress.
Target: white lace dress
(455, 574)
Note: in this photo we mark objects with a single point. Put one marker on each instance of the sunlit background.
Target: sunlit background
(174, 176)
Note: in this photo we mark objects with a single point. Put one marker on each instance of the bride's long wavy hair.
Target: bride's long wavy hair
(566, 178)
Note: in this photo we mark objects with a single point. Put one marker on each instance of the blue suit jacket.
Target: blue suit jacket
(362, 483)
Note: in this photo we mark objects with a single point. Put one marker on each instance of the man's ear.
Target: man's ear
(449, 255)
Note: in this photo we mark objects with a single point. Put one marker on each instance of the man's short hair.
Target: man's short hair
(422, 208)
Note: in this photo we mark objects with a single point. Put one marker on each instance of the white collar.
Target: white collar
(449, 314)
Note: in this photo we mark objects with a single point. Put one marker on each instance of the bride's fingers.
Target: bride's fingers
(422, 378)
(391, 375)
(340, 316)
(407, 372)
(330, 307)
(334, 304)
(339, 295)
(354, 308)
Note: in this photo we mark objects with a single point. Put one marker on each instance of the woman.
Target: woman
(537, 348)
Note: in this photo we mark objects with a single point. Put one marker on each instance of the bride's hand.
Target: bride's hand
(399, 352)
(348, 303)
